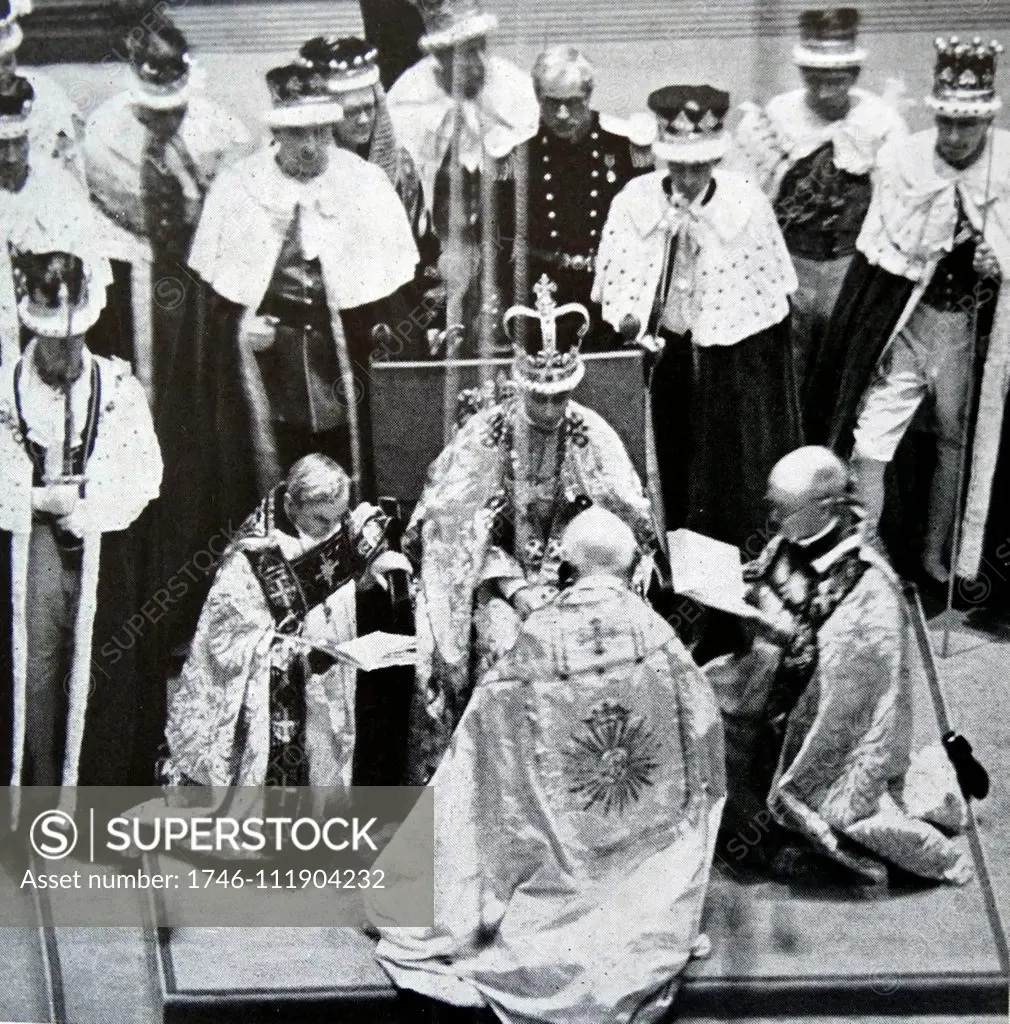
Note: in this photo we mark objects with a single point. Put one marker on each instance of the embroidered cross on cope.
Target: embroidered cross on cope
(292, 588)
(598, 635)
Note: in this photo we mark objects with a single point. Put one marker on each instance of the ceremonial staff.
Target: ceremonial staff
(629, 328)
(68, 476)
(520, 242)
(454, 276)
(969, 414)
(68, 405)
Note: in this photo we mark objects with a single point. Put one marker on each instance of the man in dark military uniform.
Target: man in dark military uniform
(576, 167)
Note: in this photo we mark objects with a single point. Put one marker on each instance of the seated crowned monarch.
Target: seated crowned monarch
(484, 537)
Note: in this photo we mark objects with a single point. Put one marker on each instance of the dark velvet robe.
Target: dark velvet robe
(868, 309)
(209, 482)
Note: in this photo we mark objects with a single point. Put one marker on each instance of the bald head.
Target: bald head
(597, 543)
(812, 470)
(805, 489)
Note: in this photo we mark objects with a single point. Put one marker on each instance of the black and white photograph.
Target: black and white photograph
(504, 512)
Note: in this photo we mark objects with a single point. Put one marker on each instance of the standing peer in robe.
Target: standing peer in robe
(919, 301)
(818, 704)
(308, 247)
(53, 132)
(256, 704)
(578, 162)
(30, 187)
(150, 154)
(458, 85)
(352, 74)
(812, 151)
(79, 461)
(578, 811)
(485, 534)
(692, 266)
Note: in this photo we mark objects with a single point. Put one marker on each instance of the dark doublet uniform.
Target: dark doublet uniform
(820, 207)
(571, 187)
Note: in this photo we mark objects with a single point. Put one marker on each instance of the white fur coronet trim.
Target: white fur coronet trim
(805, 57)
(159, 97)
(11, 38)
(563, 385)
(693, 151)
(14, 127)
(53, 323)
(353, 80)
(474, 27)
(968, 109)
(304, 114)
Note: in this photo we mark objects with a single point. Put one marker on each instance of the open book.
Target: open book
(365, 653)
(378, 650)
(708, 571)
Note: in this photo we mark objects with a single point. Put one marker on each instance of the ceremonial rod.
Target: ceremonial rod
(68, 405)
(520, 242)
(452, 256)
(488, 263)
(969, 412)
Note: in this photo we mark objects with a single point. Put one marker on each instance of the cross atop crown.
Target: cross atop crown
(544, 291)
(547, 360)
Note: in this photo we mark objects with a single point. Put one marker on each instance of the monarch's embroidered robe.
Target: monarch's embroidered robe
(578, 806)
(471, 528)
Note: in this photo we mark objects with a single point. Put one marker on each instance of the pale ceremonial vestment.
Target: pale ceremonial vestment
(503, 114)
(227, 678)
(350, 219)
(841, 774)
(52, 131)
(115, 154)
(577, 811)
(454, 537)
(738, 274)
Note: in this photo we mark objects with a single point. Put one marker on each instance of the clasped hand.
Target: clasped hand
(58, 500)
(985, 263)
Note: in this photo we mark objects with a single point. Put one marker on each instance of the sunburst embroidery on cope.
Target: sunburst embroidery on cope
(612, 760)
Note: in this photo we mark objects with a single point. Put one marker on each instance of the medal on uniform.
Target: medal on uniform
(609, 159)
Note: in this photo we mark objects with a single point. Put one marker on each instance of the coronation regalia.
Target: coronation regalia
(52, 132)
(150, 152)
(489, 126)
(351, 65)
(148, 188)
(66, 577)
(302, 271)
(492, 511)
(49, 193)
